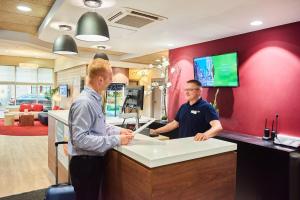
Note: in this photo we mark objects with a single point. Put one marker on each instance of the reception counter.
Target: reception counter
(149, 168)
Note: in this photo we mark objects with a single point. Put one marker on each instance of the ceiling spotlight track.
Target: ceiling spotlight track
(92, 3)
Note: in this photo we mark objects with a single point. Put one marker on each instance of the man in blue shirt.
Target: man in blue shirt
(196, 118)
(90, 136)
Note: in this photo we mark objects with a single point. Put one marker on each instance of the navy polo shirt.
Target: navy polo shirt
(195, 118)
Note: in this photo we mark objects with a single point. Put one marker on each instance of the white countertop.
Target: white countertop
(62, 115)
(154, 153)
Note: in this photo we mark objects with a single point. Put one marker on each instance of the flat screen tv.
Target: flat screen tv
(217, 71)
(63, 90)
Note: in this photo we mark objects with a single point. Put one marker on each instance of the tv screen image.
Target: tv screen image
(217, 71)
(63, 90)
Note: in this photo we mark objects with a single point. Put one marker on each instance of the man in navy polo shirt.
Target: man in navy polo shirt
(196, 118)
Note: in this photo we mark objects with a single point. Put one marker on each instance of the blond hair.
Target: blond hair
(98, 67)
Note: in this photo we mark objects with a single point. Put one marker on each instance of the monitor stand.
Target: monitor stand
(131, 115)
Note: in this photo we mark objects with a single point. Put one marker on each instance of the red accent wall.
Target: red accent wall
(269, 78)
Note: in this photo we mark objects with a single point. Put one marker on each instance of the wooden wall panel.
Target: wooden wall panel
(15, 20)
(16, 60)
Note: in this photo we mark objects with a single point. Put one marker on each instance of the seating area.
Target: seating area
(26, 114)
(43, 118)
(27, 108)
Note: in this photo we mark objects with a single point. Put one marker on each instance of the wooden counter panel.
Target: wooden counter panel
(125, 178)
(206, 178)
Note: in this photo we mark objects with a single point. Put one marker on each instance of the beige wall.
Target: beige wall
(120, 75)
(68, 74)
(144, 77)
(72, 78)
(63, 63)
(16, 60)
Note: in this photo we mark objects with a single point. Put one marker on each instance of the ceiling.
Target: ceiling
(184, 22)
(29, 22)
(150, 58)
(23, 49)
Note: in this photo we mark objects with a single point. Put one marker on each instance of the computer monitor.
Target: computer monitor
(134, 97)
(63, 90)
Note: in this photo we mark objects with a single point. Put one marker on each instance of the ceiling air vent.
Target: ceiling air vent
(128, 17)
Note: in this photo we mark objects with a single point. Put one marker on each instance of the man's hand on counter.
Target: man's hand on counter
(200, 137)
(126, 136)
(153, 133)
(125, 131)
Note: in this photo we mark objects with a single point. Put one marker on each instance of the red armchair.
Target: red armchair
(56, 108)
(37, 107)
(24, 106)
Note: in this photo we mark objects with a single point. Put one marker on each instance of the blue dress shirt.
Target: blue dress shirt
(89, 134)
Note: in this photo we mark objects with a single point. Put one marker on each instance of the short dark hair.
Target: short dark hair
(196, 82)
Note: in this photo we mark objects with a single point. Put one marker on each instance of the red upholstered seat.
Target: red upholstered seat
(24, 106)
(56, 108)
(37, 107)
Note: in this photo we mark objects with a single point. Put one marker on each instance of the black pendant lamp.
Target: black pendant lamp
(92, 27)
(101, 55)
(64, 44)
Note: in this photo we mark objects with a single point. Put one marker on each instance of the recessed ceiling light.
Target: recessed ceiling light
(101, 46)
(64, 27)
(171, 45)
(256, 23)
(104, 3)
(92, 3)
(23, 8)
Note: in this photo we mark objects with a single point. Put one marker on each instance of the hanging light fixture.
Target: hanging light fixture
(91, 26)
(101, 55)
(64, 44)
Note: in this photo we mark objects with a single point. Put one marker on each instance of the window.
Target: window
(26, 75)
(25, 85)
(33, 94)
(7, 95)
(45, 75)
(43, 95)
(7, 73)
(26, 94)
